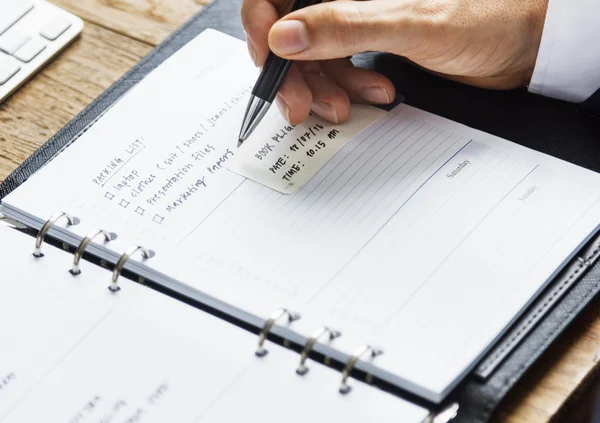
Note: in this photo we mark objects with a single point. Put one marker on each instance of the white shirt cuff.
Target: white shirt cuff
(568, 62)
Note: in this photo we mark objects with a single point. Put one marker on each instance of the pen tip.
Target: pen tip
(240, 142)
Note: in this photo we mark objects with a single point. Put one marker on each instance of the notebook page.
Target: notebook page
(77, 353)
(420, 232)
(43, 317)
(420, 235)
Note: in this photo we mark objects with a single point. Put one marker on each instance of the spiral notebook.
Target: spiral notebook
(412, 227)
(78, 353)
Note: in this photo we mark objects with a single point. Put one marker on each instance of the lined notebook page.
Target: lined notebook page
(74, 352)
(420, 235)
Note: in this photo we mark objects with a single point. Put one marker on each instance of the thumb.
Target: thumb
(337, 29)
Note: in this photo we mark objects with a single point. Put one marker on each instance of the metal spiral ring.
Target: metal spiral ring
(146, 254)
(46, 227)
(443, 416)
(360, 351)
(261, 351)
(332, 334)
(108, 236)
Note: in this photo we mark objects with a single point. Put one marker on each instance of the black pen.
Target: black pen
(267, 85)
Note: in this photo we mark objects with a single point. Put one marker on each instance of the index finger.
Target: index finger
(258, 16)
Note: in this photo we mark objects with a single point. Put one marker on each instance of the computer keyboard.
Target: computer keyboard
(32, 32)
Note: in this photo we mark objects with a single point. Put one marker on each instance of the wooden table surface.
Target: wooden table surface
(117, 34)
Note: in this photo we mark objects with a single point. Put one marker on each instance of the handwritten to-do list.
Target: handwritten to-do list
(151, 180)
(176, 174)
(286, 159)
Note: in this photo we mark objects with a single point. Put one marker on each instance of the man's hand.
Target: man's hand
(488, 43)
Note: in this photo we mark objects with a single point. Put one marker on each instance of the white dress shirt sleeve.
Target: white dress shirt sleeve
(568, 62)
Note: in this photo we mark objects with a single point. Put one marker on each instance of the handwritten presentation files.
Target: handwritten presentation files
(76, 353)
(420, 235)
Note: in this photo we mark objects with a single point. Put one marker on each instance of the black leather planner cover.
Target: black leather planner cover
(542, 124)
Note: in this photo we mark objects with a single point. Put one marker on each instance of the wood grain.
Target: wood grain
(149, 21)
(61, 90)
(553, 382)
(120, 32)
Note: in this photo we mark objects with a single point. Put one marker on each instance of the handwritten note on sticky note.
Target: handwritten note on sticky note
(284, 157)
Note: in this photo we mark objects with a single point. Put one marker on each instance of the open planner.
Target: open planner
(80, 354)
(400, 246)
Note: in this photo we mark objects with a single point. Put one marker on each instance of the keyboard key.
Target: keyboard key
(12, 40)
(53, 29)
(30, 50)
(8, 68)
(30, 35)
(11, 11)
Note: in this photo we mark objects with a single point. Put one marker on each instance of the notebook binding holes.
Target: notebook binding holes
(360, 352)
(71, 221)
(317, 334)
(261, 351)
(146, 254)
(108, 236)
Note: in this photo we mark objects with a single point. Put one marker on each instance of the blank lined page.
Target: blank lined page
(74, 352)
(420, 235)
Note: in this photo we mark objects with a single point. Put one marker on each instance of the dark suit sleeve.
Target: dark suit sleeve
(592, 104)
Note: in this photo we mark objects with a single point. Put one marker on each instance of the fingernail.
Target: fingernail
(325, 110)
(376, 95)
(283, 107)
(289, 37)
(251, 50)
